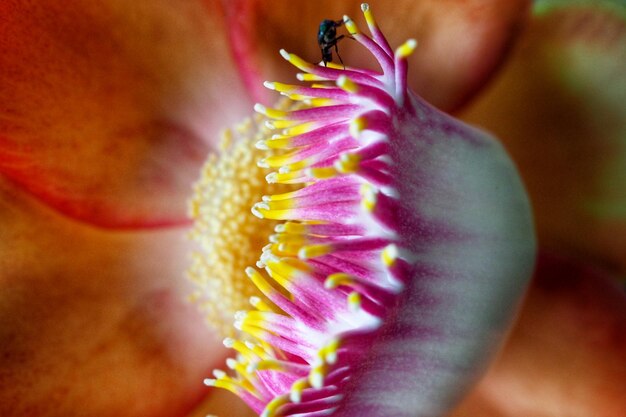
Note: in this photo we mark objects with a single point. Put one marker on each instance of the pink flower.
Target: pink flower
(402, 254)
(108, 110)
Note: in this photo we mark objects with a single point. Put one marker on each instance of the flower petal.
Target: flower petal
(565, 355)
(461, 42)
(109, 109)
(559, 107)
(93, 322)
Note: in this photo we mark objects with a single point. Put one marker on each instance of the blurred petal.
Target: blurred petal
(461, 43)
(559, 108)
(107, 110)
(567, 354)
(94, 323)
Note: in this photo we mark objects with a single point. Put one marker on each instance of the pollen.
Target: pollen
(228, 236)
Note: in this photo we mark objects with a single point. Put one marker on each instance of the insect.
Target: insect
(327, 38)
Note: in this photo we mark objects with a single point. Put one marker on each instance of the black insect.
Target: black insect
(327, 38)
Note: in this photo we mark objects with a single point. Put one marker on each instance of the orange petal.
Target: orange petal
(559, 108)
(461, 42)
(109, 109)
(565, 356)
(94, 323)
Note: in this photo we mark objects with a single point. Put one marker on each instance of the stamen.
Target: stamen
(334, 266)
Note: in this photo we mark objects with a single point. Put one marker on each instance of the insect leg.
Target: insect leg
(337, 39)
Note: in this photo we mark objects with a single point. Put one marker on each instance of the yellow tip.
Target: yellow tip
(357, 125)
(316, 376)
(323, 172)
(348, 163)
(339, 278)
(368, 192)
(406, 48)
(331, 350)
(389, 255)
(297, 388)
(350, 25)
(369, 17)
(296, 61)
(313, 251)
(294, 228)
(347, 84)
(354, 301)
(272, 407)
(269, 112)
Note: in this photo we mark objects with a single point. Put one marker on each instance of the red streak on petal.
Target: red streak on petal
(243, 42)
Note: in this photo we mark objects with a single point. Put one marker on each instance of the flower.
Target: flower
(400, 257)
(96, 100)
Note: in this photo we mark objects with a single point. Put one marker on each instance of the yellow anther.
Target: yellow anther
(281, 124)
(281, 273)
(369, 17)
(331, 351)
(280, 87)
(317, 374)
(275, 161)
(250, 353)
(348, 163)
(299, 129)
(297, 166)
(255, 332)
(406, 48)
(281, 204)
(309, 77)
(334, 65)
(296, 61)
(368, 202)
(354, 301)
(278, 142)
(347, 84)
(272, 407)
(288, 249)
(322, 172)
(262, 211)
(282, 196)
(270, 112)
(258, 280)
(291, 227)
(268, 365)
(239, 367)
(297, 388)
(339, 278)
(357, 125)
(389, 255)
(317, 102)
(288, 266)
(314, 251)
(260, 305)
(294, 239)
(350, 25)
(225, 384)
